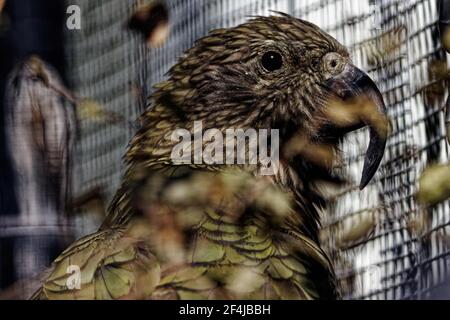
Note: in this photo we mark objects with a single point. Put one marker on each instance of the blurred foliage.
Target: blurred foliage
(355, 111)
(351, 230)
(89, 109)
(231, 191)
(151, 20)
(92, 110)
(438, 74)
(417, 223)
(91, 202)
(383, 47)
(323, 155)
(434, 184)
(346, 274)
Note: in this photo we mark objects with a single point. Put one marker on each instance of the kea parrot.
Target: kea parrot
(222, 231)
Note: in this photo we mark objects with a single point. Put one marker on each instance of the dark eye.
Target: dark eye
(272, 61)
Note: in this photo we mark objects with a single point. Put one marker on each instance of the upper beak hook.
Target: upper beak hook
(353, 83)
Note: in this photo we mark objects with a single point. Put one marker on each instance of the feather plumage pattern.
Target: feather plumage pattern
(205, 231)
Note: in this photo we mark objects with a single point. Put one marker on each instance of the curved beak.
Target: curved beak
(364, 106)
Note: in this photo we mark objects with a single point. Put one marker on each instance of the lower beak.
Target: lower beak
(353, 84)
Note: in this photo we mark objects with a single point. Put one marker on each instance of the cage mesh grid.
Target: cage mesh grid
(392, 263)
(395, 41)
(108, 64)
(103, 62)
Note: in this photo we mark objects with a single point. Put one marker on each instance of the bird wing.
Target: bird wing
(234, 254)
(110, 264)
(231, 262)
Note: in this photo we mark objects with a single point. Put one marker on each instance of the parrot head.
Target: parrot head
(278, 72)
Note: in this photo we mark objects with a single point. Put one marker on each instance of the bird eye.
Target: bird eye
(272, 61)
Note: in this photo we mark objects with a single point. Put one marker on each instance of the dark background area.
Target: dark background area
(33, 27)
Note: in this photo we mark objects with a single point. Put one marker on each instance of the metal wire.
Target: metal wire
(395, 41)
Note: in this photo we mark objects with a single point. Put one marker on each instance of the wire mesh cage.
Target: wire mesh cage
(397, 42)
(108, 67)
(406, 253)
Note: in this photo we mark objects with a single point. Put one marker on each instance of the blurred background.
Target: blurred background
(389, 241)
